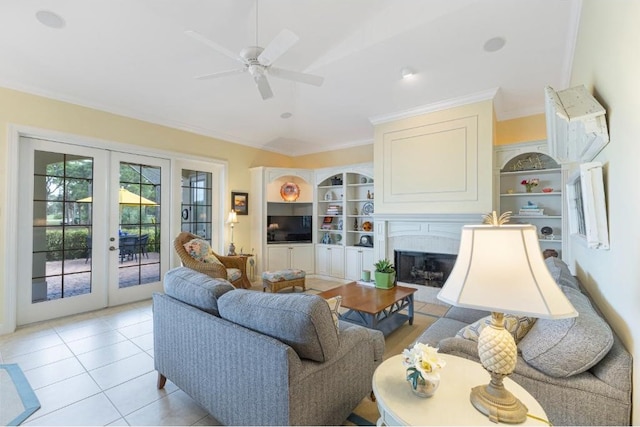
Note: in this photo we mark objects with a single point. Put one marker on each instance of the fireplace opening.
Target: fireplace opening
(423, 268)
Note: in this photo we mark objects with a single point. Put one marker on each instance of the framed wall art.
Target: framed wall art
(240, 203)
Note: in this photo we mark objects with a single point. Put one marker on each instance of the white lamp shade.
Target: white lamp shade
(501, 268)
(232, 218)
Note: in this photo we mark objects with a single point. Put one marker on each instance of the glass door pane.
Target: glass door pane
(196, 208)
(139, 224)
(61, 262)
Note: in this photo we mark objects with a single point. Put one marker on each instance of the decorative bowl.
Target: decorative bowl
(547, 190)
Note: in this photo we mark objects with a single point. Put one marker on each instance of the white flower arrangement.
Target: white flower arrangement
(422, 362)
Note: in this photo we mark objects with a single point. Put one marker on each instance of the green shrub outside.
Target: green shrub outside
(75, 242)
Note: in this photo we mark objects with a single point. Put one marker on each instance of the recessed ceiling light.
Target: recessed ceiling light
(50, 19)
(407, 73)
(286, 115)
(494, 44)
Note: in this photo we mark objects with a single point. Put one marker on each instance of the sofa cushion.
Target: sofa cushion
(565, 347)
(518, 326)
(200, 250)
(301, 321)
(195, 288)
(560, 273)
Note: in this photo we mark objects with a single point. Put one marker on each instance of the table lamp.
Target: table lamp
(232, 219)
(500, 268)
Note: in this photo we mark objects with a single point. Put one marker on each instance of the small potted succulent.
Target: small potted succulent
(385, 274)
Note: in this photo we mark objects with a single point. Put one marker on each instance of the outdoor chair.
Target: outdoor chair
(141, 246)
(231, 268)
(128, 246)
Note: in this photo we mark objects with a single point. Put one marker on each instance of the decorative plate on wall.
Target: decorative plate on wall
(290, 191)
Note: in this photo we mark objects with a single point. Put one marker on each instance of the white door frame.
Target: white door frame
(14, 132)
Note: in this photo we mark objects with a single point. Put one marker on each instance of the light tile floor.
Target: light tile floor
(97, 369)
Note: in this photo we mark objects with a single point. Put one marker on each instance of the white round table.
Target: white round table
(450, 405)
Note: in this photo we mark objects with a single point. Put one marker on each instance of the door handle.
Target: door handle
(112, 248)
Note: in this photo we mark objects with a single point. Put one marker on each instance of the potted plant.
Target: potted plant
(385, 274)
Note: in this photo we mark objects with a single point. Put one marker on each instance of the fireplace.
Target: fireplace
(423, 268)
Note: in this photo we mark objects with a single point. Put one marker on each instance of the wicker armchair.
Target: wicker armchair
(211, 269)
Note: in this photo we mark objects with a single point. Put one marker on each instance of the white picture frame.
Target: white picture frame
(587, 211)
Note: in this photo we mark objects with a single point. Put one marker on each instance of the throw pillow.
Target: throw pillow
(518, 326)
(565, 347)
(334, 306)
(200, 250)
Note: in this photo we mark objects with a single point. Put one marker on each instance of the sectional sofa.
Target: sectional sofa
(577, 368)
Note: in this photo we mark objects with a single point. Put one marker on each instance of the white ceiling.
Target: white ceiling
(132, 57)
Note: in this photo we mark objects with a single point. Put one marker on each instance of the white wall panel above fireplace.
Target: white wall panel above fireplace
(440, 162)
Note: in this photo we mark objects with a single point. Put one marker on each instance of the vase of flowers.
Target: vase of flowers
(423, 365)
(530, 183)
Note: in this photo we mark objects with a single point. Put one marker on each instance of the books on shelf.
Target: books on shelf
(531, 209)
(334, 210)
(538, 211)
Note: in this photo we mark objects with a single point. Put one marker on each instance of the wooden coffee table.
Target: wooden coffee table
(374, 308)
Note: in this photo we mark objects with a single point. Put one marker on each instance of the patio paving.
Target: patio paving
(77, 276)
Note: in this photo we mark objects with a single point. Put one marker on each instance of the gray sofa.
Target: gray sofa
(577, 369)
(253, 358)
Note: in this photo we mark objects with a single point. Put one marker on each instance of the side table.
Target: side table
(450, 405)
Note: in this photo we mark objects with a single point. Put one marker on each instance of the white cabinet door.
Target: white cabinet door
(279, 258)
(330, 260)
(358, 259)
(337, 261)
(323, 260)
(283, 257)
(302, 258)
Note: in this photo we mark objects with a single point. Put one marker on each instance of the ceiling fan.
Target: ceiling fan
(257, 61)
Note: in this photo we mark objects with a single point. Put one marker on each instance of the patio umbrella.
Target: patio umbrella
(126, 197)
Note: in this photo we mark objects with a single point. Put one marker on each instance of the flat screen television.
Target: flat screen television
(289, 228)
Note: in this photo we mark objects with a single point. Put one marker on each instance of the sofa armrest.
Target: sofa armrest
(351, 334)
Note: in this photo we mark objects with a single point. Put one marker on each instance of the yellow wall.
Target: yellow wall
(347, 156)
(523, 129)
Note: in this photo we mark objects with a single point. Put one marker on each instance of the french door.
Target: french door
(93, 228)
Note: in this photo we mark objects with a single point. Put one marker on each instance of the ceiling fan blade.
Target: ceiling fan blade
(221, 49)
(309, 79)
(263, 86)
(221, 74)
(283, 41)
